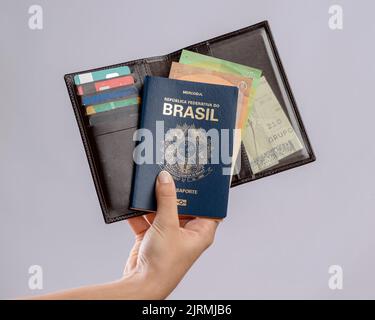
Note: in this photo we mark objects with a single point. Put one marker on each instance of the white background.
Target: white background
(282, 232)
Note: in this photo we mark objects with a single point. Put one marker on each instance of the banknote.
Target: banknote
(212, 63)
(244, 84)
(203, 61)
(224, 66)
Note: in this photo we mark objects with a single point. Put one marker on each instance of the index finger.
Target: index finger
(203, 225)
(138, 224)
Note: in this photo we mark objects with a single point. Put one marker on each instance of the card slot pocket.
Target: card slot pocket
(114, 153)
(108, 128)
(112, 133)
(114, 120)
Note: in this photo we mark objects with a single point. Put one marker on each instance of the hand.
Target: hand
(164, 250)
(166, 246)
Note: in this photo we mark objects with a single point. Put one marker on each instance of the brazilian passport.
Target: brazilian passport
(187, 129)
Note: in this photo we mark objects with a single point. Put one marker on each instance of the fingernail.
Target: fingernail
(164, 177)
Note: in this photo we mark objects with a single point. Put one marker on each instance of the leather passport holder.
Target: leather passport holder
(109, 145)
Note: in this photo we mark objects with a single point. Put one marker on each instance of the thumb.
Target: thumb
(165, 191)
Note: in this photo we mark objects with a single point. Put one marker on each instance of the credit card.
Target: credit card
(109, 95)
(101, 75)
(130, 112)
(112, 105)
(93, 87)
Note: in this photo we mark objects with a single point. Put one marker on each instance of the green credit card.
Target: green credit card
(112, 105)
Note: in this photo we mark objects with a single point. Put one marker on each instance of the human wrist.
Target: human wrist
(143, 285)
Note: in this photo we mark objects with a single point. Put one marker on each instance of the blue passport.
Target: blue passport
(186, 128)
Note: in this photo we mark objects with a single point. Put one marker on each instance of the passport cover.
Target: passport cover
(186, 106)
(109, 150)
